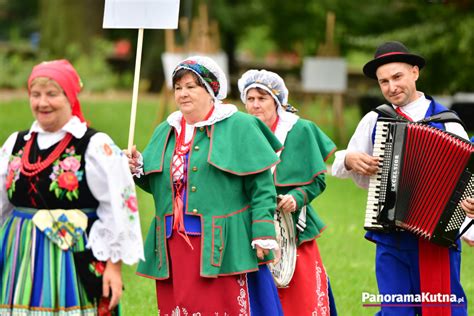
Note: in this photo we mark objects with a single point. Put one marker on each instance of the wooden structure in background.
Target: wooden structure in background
(330, 49)
(200, 36)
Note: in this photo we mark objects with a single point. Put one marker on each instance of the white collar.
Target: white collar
(286, 120)
(73, 126)
(416, 109)
(221, 112)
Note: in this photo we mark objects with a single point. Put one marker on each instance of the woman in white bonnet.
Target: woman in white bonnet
(299, 178)
(213, 224)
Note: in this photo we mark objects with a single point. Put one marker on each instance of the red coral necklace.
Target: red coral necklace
(31, 169)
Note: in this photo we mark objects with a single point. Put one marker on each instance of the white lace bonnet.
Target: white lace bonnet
(266, 80)
(209, 72)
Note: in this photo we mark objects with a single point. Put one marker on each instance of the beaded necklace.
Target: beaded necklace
(31, 169)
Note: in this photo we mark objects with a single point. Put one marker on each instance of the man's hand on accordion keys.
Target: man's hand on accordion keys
(361, 163)
(468, 206)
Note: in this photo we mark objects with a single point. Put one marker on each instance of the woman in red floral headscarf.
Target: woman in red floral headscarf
(64, 188)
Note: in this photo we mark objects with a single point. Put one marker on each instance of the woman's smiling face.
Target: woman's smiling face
(49, 105)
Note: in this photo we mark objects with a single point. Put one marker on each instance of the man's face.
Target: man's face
(397, 82)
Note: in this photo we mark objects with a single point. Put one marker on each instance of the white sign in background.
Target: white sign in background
(141, 14)
(324, 75)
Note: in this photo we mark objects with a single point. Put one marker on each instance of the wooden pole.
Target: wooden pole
(169, 41)
(136, 81)
(330, 24)
(338, 105)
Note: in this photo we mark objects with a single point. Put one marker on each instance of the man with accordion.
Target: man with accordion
(419, 188)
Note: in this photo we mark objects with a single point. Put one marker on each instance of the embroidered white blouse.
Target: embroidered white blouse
(116, 235)
(361, 141)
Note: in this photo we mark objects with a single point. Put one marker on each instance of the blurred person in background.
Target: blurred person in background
(299, 178)
(68, 211)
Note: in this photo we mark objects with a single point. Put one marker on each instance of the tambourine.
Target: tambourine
(283, 269)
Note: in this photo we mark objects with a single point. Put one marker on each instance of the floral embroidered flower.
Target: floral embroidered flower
(68, 180)
(10, 177)
(66, 175)
(109, 149)
(97, 267)
(214, 86)
(203, 72)
(70, 164)
(15, 164)
(130, 202)
(13, 173)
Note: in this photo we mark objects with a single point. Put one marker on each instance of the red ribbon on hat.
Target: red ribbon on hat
(392, 53)
(66, 76)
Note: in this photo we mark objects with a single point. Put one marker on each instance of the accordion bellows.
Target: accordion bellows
(424, 175)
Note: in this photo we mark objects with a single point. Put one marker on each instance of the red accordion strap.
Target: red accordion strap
(434, 276)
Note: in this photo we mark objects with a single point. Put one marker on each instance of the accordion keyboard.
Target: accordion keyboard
(458, 216)
(379, 181)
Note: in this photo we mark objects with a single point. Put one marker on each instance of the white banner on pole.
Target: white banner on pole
(141, 14)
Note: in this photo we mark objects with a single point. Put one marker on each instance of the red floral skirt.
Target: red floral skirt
(309, 285)
(187, 293)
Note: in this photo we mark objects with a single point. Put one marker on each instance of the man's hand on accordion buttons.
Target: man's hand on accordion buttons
(361, 163)
(468, 206)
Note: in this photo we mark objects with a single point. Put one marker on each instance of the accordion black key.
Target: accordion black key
(424, 175)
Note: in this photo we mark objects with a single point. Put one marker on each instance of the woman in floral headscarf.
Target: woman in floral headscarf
(213, 224)
(299, 178)
(64, 188)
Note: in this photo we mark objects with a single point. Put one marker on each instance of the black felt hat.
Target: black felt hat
(391, 52)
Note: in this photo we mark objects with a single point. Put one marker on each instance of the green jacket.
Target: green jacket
(301, 172)
(229, 187)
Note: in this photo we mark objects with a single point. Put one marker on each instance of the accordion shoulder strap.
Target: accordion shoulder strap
(447, 116)
(388, 111)
(444, 117)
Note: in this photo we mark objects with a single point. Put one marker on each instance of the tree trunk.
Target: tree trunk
(64, 23)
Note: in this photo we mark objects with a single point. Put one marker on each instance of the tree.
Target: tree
(63, 23)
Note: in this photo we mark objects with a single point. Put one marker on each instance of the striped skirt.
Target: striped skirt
(37, 278)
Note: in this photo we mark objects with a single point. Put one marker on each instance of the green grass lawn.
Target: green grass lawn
(348, 257)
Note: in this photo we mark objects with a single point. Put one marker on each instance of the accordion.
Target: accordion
(424, 174)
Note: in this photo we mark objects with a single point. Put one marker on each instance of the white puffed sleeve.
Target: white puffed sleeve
(361, 141)
(116, 235)
(5, 206)
(469, 234)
